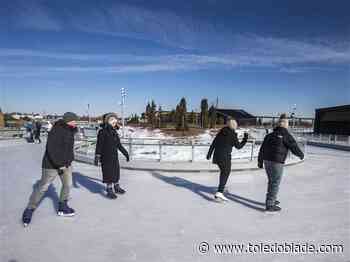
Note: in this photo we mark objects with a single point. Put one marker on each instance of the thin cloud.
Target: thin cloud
(254, 52)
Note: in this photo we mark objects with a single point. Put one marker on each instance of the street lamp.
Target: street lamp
(123, 94)
(293, 114)
(88, 111)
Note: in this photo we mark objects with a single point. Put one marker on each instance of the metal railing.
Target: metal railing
(11, 133)
(326, 138)
(156, 150)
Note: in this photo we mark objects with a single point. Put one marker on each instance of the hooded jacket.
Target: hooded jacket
(59, 147)
(276, 145)
(222, 145)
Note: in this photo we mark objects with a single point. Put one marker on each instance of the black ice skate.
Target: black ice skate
(64, 210)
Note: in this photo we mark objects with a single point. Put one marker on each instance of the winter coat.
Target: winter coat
(60, 146)
(37, 129)
(276, 145)
(108, 144)
(222, 145)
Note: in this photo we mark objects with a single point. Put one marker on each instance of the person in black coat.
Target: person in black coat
(222, 146)
(37, 131)
(107, 147)
(57, 161)
(273, 154)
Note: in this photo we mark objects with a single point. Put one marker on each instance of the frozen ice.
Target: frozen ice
(165, 216)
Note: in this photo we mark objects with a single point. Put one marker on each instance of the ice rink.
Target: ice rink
(165, 216)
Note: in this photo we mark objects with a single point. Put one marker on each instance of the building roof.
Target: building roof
(235, 113)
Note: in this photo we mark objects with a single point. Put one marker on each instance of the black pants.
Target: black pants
(225, 171)
(37, 136)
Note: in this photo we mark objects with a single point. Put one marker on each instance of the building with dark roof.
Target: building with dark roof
(242, 117)
(333, 120)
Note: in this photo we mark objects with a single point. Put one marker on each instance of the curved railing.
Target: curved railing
(177, 150)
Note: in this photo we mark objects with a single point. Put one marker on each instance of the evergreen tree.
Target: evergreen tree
(212, 116)
(181, 110)
(204, 113)
(148, 113)
(153, 114)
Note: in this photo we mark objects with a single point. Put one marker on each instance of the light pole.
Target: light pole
(293, 114)
(88, 111)
(123, 94)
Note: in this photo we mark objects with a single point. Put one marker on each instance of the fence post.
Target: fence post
(335, 139)
(160, 151)
(192, 151)
(130, 148)
(329, 139)
(252, 152)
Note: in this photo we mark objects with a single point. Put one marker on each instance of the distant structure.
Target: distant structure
(2, 119)
(333, 120)
(242, 117)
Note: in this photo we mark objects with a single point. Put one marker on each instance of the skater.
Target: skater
(222, 146)
(272, 155)
(108, 144)
(57, 161)
(29, 130)
(37, 130)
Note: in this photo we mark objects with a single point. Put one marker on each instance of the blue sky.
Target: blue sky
(262, 56)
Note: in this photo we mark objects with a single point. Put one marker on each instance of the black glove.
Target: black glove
(208, 157)
(97, 160)
(61, 170)
(127, 158)
(260, 165)
(246, 136)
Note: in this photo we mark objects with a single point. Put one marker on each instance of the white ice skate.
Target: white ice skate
(220, 196)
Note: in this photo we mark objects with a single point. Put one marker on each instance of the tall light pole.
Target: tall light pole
(293, 114)
(88, 111)
(123, 94)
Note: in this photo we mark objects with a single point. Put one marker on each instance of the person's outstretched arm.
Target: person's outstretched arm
(122, 149)
(292, 145)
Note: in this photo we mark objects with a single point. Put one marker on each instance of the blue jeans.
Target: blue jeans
(274, 173)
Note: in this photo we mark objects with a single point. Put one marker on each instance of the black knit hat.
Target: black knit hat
(283, 116)
(69, 116)
(107, 116)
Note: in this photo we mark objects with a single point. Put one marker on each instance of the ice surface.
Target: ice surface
(164, 217)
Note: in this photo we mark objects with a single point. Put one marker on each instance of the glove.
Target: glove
(260, 165)
(302, 158)
(246, 136)
(208, 157)
(97, 160)
(127, 159)
(61, 170)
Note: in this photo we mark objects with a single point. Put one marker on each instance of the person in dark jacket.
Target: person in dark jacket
(57, 160)
(37, 131)
(272, 155)
(222, 146)
(107, 147)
